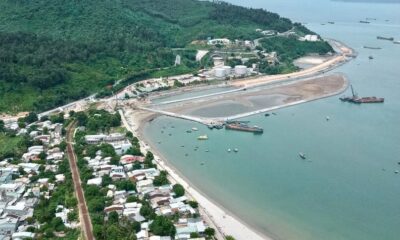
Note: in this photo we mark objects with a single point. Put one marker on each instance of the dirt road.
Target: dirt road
(83, 210)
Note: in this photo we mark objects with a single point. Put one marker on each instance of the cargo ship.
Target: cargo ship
(385, 38)
(358, 100)
(240, 126)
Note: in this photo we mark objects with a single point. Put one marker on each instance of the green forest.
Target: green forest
(56, 51)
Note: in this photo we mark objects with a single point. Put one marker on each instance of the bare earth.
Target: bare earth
(263, 98)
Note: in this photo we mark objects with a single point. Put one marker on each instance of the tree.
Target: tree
(229, 238)
(57, 224)
(147, 211)
(194, 204)
(2, 126)
(63, 146)
(32, 117)
(162, 226)
(209, 232)
(194, 235)
(113, 218)
(72, 216)
(81, 117)
(178, 190)
(161, 179)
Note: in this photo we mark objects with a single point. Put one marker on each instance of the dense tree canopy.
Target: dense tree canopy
(56, 51)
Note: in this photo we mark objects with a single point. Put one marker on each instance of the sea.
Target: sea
(347, 187)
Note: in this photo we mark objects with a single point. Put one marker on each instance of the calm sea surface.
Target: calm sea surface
(347, 189)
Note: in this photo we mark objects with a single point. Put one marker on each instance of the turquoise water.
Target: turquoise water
(347, 189)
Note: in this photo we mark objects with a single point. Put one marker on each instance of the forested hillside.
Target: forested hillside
(56, 51)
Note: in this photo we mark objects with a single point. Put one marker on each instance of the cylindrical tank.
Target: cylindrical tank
(228, 70)
(220, 72)
(240, 70)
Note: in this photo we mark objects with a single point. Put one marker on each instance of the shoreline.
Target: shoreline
(224, 221)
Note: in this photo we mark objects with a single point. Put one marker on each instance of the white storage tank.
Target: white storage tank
(228, 70)
(220, 72)
(240, 70)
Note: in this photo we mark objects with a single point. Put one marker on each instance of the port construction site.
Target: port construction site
(254, 95)
(214, 110)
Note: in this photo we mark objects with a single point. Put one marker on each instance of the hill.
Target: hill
(56, 51)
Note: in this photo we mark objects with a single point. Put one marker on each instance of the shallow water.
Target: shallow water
(347, 188)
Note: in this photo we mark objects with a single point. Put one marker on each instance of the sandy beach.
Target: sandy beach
(215, 215)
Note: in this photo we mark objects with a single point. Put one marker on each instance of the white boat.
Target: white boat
(236, 150)
(229, 150)
(195, 129)
(202, 137)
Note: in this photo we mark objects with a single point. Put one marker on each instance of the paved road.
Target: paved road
(83, 210)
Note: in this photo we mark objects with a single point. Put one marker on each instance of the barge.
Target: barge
(240, 126)
(359, 100)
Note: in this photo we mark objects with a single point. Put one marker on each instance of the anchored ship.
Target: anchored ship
(358, 100)
(241, 126)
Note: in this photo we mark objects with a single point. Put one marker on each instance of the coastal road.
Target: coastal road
(84, 217)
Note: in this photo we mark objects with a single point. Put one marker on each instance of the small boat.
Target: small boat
(207, 150)
(188, 131)
(183, 146)
(170, 134)
(172, 126)
(195, 129)
(385, 38)
(162, 131)
(267, 114)
(186, 155)
(274, 114)
(202, 137)
(371, 57)
(202, 163)
(236, 150)
(364, 22)
(398, 163)
(373, 48)
(396, 42)
(331, 22)
(302, 155)
(328, 118)
(229, 150)
(397, 171)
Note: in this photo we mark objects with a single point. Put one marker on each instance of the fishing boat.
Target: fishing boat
(302, 155)
(229, 150)
(202, 137)
(236, 150)
(195, 129)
